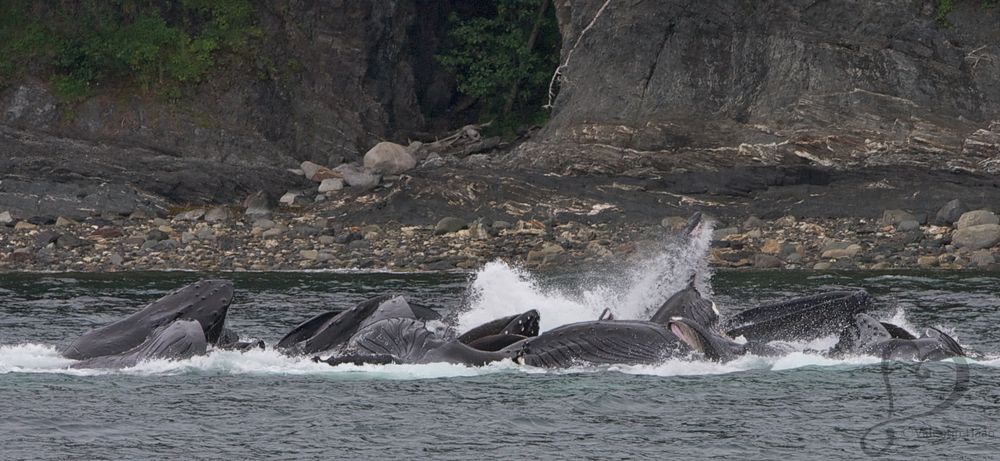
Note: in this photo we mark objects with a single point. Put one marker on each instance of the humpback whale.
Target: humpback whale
(179, 340)
(599, 342)
(802, 318)
(206, 302)
(868, 336)
(406, 340)
(502, 332)
(331, 330)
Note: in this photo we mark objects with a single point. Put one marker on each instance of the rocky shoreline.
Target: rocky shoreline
(227, 238)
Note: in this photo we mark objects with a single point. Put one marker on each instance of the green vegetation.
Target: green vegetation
(154, 44)
(944, 7)
(504, 55)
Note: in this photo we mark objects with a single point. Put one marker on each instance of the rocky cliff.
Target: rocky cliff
(327, 81)
(679, 85)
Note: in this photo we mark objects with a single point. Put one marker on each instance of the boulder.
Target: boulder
(25, 226)
(258, 205)
(6, 218)
(895, 217)
(331, 185)
(548, 255)
(217, 214)
(309, 169)
(982, 258)
(157, 235)
(70, 241)
(950, 213)
(288, 198)
(753, 222)
(46, 237)
(190, 215)
(358, 177)
(449, 225)
(908, 226)
(975, 218)
(976, 237)
(389, 158)
(65, 222)
(766, 261)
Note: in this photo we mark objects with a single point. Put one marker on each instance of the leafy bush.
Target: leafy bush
(155, 44)
(490, 56)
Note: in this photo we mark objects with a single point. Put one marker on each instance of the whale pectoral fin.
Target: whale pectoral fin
(949, 343)
(606, 315)
(897, 331)
(355, 359)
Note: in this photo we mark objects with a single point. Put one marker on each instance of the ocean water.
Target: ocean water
(229, 405)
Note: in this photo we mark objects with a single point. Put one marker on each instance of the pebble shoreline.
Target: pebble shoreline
(288, 239)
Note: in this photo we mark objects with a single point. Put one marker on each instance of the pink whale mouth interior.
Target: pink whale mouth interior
(686, 334)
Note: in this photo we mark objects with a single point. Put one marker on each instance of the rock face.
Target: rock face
(338, 77)
(675, 84)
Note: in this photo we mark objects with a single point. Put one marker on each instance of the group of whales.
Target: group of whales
(388, 329)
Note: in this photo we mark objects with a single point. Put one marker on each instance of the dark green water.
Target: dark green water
(263, 405)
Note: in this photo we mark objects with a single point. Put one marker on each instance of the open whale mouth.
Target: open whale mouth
(686, 333)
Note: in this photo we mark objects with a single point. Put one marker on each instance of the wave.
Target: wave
(41, 358)
(632, 289)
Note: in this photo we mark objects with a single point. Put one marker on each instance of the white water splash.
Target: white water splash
(641, 285)
(39, 358)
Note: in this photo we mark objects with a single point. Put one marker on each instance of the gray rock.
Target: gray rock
(258, 205)
(721, 234)
(6, 218)
(309, 169)
(766, 261)
(327, 239)
(70, 241)
(205, 233)
(156, 235)
(358, 177)
(976, 237)
(116, 259)
(895, 217)
(753, 222)
(188, 237)
(264, 224)
(908, 226)
(65, 222)
(389, 158)
(908, 237)
(975, 218)
(304, 231)
(359, 245)
(548, 255)
(273, 233)
(190, 215)
(217, 214)
(950, 212)
(348, 237)
(501, 226)
(309, 254)
(449, 225)
(982, 258)
(289, 198)
(822, 266)
(45, 237)
(331, 185)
